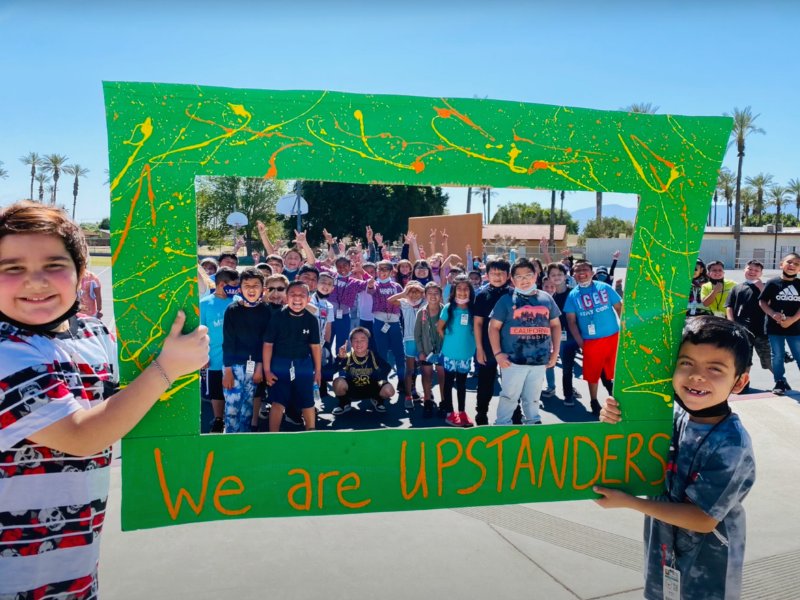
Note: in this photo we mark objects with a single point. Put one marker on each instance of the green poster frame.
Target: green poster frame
(161, 136)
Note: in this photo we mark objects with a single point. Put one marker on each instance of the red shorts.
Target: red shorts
(599, 354)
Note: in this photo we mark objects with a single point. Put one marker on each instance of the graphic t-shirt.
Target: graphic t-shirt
(715, 474)
(594, 305)
(52, 504)
(743, 301)
(324, 314)
(485, 301)
(459, 339)
(212, 315)
(525, 335)
(292, 333)
(717, 306)
(783, 296)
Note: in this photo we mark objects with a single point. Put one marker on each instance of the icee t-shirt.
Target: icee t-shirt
(714, 473)
(525, 336)
(594, 304)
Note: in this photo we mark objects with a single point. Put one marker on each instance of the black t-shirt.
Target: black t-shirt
(782, 296)
(242, 331)
(561, 300)
(743, 301)
(484, 305)
(292, 333)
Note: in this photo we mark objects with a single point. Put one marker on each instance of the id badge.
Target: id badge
(591, 329)
(672, 583)
(291, 372)
(385, 328)
(464, 319)
(694, 311)
(339, 314)
(250, 368)
(563, 336)
(431, 357)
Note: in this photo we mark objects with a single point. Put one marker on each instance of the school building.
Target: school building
(499, 239)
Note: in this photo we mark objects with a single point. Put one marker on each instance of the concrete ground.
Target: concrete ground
(549, 550)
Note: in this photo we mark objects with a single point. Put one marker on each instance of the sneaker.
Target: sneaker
(481, 419)
(595, 406)
(344, 406)
(537, 422)
(263, 412)
(378, 404)
(415, 395)
(788, 358)
(465, 420)
(253, 428)
(294, 420)
(549, 392)
(441, 413)
(569, 401)
(410, 402)
(218, 425)
(576, 394)
(427, 409)
(780, 389)
(454, 419)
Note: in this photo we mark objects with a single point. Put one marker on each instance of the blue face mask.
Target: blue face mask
(526, 292)
(602, 277)
(387, 280)
(288, 270)
(476, 264)
(230, 290)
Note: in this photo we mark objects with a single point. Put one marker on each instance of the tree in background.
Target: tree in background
(647, 108)
(517, 213)
(53, 164)
(786, 220)
(77, 171)
(552, 216)
(608, 227)
(743, 126)
(794, 188)
(759, 183)
(345, 209)
(33, 160)
(105, 224)
(726, 183)
(41, 179)
(217, 197)
(3, 172)
(777, 197)
(748, 201)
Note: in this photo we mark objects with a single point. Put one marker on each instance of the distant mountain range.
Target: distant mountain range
(584, 215)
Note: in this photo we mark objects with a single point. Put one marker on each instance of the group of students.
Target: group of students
(62, 407)
(283, 330)
(770, 311)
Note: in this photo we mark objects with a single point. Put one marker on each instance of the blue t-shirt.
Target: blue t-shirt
(212, 313)
(715, 474)
(525, 335)
(594, 304)
(459, 338)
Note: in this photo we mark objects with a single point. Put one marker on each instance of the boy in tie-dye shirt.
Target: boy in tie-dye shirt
(694, 534)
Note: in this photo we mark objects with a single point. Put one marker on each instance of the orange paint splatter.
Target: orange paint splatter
(418, 165)
(648, 350)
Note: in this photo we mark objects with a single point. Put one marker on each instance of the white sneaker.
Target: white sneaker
(549, 392)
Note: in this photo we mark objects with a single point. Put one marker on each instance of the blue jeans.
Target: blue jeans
(340, 331)
(565, 356)
(778, 345)
(392, 339)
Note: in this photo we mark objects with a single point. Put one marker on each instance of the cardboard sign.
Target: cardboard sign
(160, 137)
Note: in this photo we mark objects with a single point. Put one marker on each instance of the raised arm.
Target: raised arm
(545, 253)
(262, 234)
(411, 240)
(300, 240)
(433, 242)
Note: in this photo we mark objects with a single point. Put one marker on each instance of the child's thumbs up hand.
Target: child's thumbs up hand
(183, 353)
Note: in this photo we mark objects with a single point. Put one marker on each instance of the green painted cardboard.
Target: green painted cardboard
(161, 136)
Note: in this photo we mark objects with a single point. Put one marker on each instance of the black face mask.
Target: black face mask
(321, 295)
(44, 328)
(787, 276)
(716, 281)
(718, 410)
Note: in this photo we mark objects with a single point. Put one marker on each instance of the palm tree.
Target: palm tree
(469, 198)
(51, 191)
(778, 197)
(760, 182)
(743, 125)
(726, 183)
(552, 217)
(599, 200)
(646, 108)
(41, 178)
(33, 160)
(53, 163)
(714, 206)
(3, 172)
(748, 201)
(77, 171)
(794, 188)
(561, 216)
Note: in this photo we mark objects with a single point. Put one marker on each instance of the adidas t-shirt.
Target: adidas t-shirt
(783, 296)
(52, 504)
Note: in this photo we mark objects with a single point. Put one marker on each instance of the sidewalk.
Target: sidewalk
(551, 551)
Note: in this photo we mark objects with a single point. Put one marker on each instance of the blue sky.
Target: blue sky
(696, 58)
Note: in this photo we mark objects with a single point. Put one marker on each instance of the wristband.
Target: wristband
(160, 370)
(496, 353)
